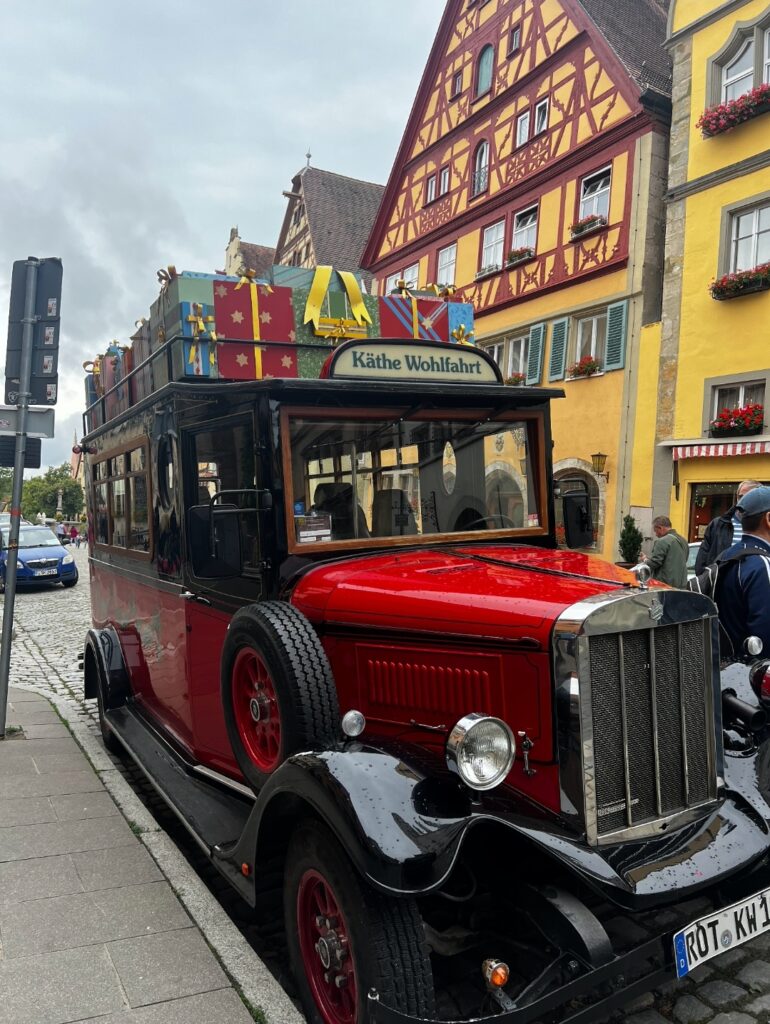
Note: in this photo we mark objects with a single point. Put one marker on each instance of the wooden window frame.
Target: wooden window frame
(456, 88)
(544, 102)
(445, 170)
(524, 116)
(432, 179)
(535, 438)
(475, 173)
(511, 48)
(479, 93)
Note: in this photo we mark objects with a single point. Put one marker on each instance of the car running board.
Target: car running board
(213, 815)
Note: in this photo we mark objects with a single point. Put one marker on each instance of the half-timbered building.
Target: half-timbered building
(531, 177)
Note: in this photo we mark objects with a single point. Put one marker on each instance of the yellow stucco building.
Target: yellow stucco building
(712, 350)
(531, 176)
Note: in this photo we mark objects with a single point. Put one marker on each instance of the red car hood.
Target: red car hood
(496, 591)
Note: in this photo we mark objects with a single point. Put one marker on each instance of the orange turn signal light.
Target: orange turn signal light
(496, 973)
(245, 870)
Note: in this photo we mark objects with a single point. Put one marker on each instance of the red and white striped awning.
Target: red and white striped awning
(715, 451)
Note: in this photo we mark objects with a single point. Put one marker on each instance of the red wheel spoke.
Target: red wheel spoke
(326, 952)
(257, 713)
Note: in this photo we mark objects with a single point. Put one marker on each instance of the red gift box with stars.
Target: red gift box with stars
(239, 361)
(248, 311)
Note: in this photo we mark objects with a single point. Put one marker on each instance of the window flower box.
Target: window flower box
(723, 117)
(516, 380)
(587, 225)
(494, 268)
(585, 367)
(739, 422)
(744, 282)
(518, 256)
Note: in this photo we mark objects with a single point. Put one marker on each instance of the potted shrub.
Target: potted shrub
(739, 422)
(743, 282)
(723, 117)
(516, 380)
(493, 268)
(585, 367)
(521, 255)
(592, 222)
(630, 542)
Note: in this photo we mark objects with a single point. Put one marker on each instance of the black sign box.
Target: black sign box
(44, 390)
(45, 335)
(31, 454)
(44, 364)
(48, 302)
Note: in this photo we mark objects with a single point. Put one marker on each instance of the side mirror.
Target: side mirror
(222, 559)
(578, 525)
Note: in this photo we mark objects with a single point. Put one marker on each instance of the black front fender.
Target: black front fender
(103, 664)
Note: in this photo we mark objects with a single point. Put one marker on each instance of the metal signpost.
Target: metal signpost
(33, 332)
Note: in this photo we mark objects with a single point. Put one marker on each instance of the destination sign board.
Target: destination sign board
(413, 361)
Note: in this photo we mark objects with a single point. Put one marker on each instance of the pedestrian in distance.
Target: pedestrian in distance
(73, 535)
(723, 531)
(743, 591)
(61, 530)
(668, 560)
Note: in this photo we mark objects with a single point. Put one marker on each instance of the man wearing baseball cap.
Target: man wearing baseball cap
(743, 596)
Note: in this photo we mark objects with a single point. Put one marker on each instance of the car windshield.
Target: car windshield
(33, 537)
(378, 475)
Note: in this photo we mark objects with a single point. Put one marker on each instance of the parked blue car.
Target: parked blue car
(42, 559)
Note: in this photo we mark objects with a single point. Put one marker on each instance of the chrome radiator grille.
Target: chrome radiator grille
(652, 718)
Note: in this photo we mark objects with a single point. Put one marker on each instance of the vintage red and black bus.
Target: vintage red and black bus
(332, 625)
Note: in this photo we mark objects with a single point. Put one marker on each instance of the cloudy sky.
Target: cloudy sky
(136, 134)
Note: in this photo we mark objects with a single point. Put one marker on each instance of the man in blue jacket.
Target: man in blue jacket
(743, 590)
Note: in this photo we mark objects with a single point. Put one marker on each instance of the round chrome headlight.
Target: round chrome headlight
(481, 749)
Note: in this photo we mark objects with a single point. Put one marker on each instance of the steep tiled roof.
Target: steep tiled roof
(340, 213)
(257, 257)
(636, 30)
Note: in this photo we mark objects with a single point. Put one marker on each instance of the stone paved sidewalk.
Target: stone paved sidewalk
(89, 928)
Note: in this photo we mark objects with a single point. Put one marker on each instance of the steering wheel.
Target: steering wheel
(505, 522)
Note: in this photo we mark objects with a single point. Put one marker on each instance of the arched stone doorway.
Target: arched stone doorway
(580, 470)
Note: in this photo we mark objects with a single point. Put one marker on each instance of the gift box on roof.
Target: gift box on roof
(178, 293)
(421, 319)
(194, 357)
(246, 310)
(247, 361)
(461, 323)
(336, 313)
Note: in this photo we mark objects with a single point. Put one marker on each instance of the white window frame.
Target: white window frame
(492, 247)
(742, 386)
(522, 128)
(443, 181)
(497, 352)
(525, 235)
(391, 282)
(430, 189)
(518, 355)
(542, 109)
(457, 84)
(411, 275)
(514, 40)
(481, 168)
(727, 82)
(755, 237)
(590, 204)
(594, 342)
(445, 276)
(766, 57)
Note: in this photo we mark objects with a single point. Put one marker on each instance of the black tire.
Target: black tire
(303, 697)
(109, 739)
(385, 936)
(69, 583)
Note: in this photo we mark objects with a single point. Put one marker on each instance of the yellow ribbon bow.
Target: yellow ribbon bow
(166, 276)
(318, 289)
(462, 336)
(201, 324)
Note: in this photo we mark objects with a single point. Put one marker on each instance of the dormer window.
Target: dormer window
(484, 70)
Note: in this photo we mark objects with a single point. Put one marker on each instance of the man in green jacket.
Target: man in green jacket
(668, 560)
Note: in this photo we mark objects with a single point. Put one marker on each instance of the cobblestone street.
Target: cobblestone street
(50, 625)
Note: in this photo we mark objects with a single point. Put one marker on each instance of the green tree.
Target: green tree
(40, 494)
(6, 486)
(630, 540)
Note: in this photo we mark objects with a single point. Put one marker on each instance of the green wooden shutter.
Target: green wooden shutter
(558, 350)
(617, 318)
(535, 355)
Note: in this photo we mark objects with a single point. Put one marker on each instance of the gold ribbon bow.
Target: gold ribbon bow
(462, 336)
(318, 289)
(166, 276)
(94, 367)
(201, 324)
